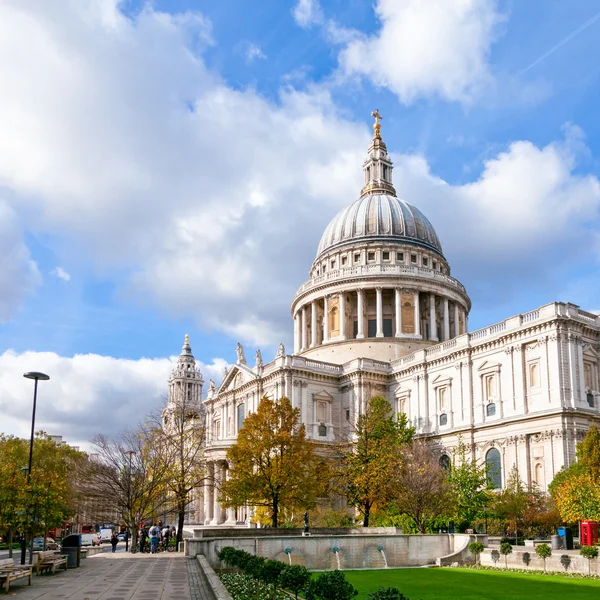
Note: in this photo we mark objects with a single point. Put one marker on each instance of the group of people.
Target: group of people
(155, 536)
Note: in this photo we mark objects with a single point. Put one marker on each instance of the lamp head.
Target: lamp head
(36, 375)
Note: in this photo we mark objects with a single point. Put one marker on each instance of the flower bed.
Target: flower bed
(243, 587)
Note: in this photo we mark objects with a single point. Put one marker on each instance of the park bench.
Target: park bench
(9, 572)
(48, 561)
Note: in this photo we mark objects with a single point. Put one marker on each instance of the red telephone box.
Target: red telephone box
(589, 533)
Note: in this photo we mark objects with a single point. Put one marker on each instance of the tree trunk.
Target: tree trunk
(367, 514)
(180, 521)
(275, 518)
(10, 542)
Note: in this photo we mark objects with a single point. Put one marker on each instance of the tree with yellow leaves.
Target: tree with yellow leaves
(273, 464)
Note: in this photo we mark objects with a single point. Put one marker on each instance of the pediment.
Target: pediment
(323, 395)
(441, 379)
(489, 365)
(237, 377)
(589, 352)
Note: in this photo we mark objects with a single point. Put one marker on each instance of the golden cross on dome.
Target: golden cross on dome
(377, 125)
(187, 340)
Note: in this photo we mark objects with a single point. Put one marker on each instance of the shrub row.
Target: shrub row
(331, 585)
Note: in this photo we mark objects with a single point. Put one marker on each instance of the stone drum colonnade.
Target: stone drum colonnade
(378, 312)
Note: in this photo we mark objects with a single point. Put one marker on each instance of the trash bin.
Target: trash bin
(567, 536)
(556, 542)
(71, 548)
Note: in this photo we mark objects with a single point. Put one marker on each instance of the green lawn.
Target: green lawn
(466, 584)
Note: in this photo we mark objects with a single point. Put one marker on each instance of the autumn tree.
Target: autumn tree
(576, 490)
(371, 455)
(180, 433)
(273, 464)
(420, 486)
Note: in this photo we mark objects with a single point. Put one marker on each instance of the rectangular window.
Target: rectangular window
(401, 409)
(413, 258)
(371, 256)
(344, 260)
(333, 264)
(347, 414)
(400, 257)
(425, 261)
(322, 412)
(386, 255)
(434, 264)
(356, 259)
(442, 392)
(372, 328)
(387, 328)
(587, 375)
(241, 415)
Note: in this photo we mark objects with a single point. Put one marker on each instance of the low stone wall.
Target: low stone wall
(225, 532)
(217, 589)
(461, 554)
(569, 561)
(354, 552)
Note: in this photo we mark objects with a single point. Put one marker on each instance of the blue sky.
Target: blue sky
(169, 167)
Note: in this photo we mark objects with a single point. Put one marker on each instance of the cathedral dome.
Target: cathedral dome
(379, 218)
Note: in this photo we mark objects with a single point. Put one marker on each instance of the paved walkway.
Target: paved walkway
(118, 577)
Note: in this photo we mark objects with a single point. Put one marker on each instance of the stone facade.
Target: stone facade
(381, 315)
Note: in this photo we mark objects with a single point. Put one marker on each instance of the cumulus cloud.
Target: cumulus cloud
(426, 48)
(86, 394)
(19, 274)
(307, 13)
(118, 139)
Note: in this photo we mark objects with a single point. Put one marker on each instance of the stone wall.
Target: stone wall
(354, 551)
(569, 561)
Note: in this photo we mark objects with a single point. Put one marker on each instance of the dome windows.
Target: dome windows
(400, 257)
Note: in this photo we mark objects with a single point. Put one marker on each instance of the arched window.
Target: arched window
(445, 462)
(493, 467)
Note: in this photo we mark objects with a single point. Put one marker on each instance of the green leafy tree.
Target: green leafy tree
(331, 585)
(513, 500)
(543, 551)
(294, 578)
(589, 552)
(469, 485)
(372, 454)
(271, 572)
(505, 550)
(476, 548)
(273, 463)
(419, 486)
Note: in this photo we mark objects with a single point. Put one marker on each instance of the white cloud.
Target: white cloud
(308, 13)
(254, 52)
(118, 139)
(19, 274)
(427, 48)
(61, 274)
(86, 394)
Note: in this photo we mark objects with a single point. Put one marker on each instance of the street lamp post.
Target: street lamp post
(133, 536)
(36, 376)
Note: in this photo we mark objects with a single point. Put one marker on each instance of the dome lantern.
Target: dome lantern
(378, 166)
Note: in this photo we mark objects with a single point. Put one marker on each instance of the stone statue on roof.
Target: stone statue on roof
(280, 351)
(259, 360)
(241, 358)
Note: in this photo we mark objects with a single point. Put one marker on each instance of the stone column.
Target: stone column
(231, 520)
(417, 315)
(446, 320)
(398, 309)
(313, 323)
(325, 319)
(360, 334)
(208, 491)
(456, 325)
(216, 519)
(304, 343)
(466, 321)
(297, 334)
(343, 316)
(379, 332)
(432, 324)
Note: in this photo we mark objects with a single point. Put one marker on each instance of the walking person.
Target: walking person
(114, 540)
(143, 535)
(126, 540)
(153, 535)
